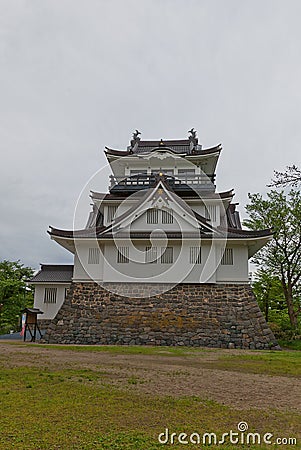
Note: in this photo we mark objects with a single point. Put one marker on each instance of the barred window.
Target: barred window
(50, 295)
(151, 255)
(195, 255)
(152, 215)
(186, 171)
(227, 257)
(94, 255)
(123, 255)
(111, 212)
(210, 212)
(167, 255)
(137, 172)
(167, 216)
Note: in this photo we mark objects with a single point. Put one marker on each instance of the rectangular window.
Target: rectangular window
(123, 255)
(195, 255)
(227, 257)
(94, 255)
(210, 212)
(167, 255)
(50, 295)
(186, 171)
(139, 171)
(111, 212)
(152, 215)
(151, 255)
(167, 216)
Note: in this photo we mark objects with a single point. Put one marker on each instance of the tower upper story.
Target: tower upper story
(184, 163)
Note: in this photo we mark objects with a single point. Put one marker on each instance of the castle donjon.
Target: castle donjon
(162, 260)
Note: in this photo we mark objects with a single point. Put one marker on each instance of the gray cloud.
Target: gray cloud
(76, 76)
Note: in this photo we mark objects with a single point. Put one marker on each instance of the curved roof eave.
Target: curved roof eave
(196, 153)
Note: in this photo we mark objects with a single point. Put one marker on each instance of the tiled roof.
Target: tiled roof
(73, 234)
(177, 146)
(222, 233)
(180, 147)
(191, 195)
(53, 273)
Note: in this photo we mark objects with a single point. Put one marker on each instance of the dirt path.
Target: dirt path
(167, 375)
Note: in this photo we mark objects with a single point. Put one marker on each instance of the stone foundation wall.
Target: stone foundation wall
(195, 315)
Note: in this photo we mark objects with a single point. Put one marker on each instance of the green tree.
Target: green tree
(281, 257)
(14, 295)
(269, 294)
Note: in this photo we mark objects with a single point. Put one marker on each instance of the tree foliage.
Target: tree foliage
(281, 257)
(13, 293)
(269, 293)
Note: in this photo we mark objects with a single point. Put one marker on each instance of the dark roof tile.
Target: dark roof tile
(53, 273)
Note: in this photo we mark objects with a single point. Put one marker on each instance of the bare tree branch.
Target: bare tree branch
(291, 177)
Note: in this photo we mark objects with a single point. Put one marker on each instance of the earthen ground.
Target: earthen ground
(164, 375)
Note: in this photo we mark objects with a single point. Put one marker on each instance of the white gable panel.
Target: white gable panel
(159, 198)
(178, 223)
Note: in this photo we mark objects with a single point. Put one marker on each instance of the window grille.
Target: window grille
(195, 255)
(227, 257)
(210, 212)
(167, 255)
(186, 171)
(139, 171)
(152, 215)
(167, 216)
(50, 295)
(94, 255)
(111, 212)
(151, 255)
(123, 255)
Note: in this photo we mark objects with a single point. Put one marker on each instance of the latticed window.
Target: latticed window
(167, 216)
(50, 295)
(195, 255)
(111, 212)
(227, 257)
(210, 212)
(123, 255)
(151, 255)
(94, 255)
(152, 215)
(167, 255)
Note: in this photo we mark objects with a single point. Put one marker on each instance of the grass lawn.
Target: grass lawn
(50, 405)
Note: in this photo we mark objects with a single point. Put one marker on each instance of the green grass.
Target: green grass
(78, 409)
(128, 349)
(286, 363)
(269, 363)
(292, 345)
(51, 408)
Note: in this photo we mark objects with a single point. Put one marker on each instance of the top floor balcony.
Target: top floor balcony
(179, 183)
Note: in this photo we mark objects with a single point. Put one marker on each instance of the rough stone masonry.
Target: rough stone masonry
(224, 315)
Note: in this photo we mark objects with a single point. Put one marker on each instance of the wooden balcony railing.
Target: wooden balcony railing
(144, 181)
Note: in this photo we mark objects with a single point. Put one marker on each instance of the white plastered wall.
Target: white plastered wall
(49, 309)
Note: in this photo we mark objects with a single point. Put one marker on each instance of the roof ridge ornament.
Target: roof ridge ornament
(134, 141)
(193, 140)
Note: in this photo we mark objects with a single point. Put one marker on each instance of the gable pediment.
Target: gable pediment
(166, 203)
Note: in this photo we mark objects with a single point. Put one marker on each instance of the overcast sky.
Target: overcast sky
(78, 75)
